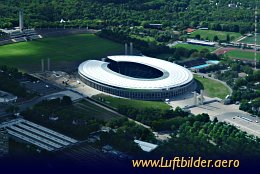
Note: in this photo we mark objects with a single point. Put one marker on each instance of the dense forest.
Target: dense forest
(237, 16)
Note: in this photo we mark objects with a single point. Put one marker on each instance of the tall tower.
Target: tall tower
(131, 48)
(256, 19)
(126, 49)
(48, 64)
(21, 21)
(42, 63)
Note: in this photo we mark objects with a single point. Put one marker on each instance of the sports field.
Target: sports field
(197, 47)
(139, 104)
(65, 51)
(251, 40)
(209, 35)
(212, 88)
(242, 54)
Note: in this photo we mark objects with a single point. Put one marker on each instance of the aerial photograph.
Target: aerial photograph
(129, 86)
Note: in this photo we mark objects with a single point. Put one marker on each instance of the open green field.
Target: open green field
(251, 40)
(144, 38)
(65, 51)
(139, 104)
(86, 110)
(212, 88)
(209, 34)
(197, 47)
(241, 54)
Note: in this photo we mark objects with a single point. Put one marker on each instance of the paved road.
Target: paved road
(74, 96)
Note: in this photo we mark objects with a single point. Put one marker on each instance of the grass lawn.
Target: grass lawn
(116, 102)
(197, 47)
(251, 40)
(87, 110)
(209, 34)
(212, 88)
(144, 38)
(240, 54)
(61, 50)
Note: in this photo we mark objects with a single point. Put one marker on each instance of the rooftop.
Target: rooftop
(173, 75)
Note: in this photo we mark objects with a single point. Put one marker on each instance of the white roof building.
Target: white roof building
(145, 146)
(173, 75)
(137, 77)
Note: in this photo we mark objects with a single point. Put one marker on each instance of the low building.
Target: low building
(156, 26)
(145, 146)
(6, 98)
(242, 74)
(54, 118)
(201, 42)
(190, 30)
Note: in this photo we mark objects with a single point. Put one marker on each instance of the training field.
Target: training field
(251, 40)
(212, 88)
(209, 34)
(196, 47)
(139, 104)
(242, 54)
(65, 52)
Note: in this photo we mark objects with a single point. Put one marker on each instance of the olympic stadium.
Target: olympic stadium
(137, 77)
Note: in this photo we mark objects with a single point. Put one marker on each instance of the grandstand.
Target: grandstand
(200, 42)
(19, 36)
(27, 34)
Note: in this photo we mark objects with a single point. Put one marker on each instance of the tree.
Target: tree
(215, 39)
(66, 100)
(12, 109)
(228, 38)
(197, 37)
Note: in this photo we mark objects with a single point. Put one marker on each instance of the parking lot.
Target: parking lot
(69, 81)
(243, 121)
(231, 115)
(40, 87)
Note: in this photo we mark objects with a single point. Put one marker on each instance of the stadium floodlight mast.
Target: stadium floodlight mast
(256, 19)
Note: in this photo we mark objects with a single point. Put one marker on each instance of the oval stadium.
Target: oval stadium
(137, 77)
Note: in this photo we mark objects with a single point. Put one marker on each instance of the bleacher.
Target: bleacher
(33, 37)
(25, 35)
(135, 70)
(19, 39)
(16, 34)
(5, 42)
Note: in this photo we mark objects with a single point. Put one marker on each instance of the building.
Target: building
(137, 77)
(4, 143)
(30, 133)
(200, 42)
(156, 26)
(190, 30)
(145, 146)
(6, 98)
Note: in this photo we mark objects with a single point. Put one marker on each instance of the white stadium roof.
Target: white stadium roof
(174, 75)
